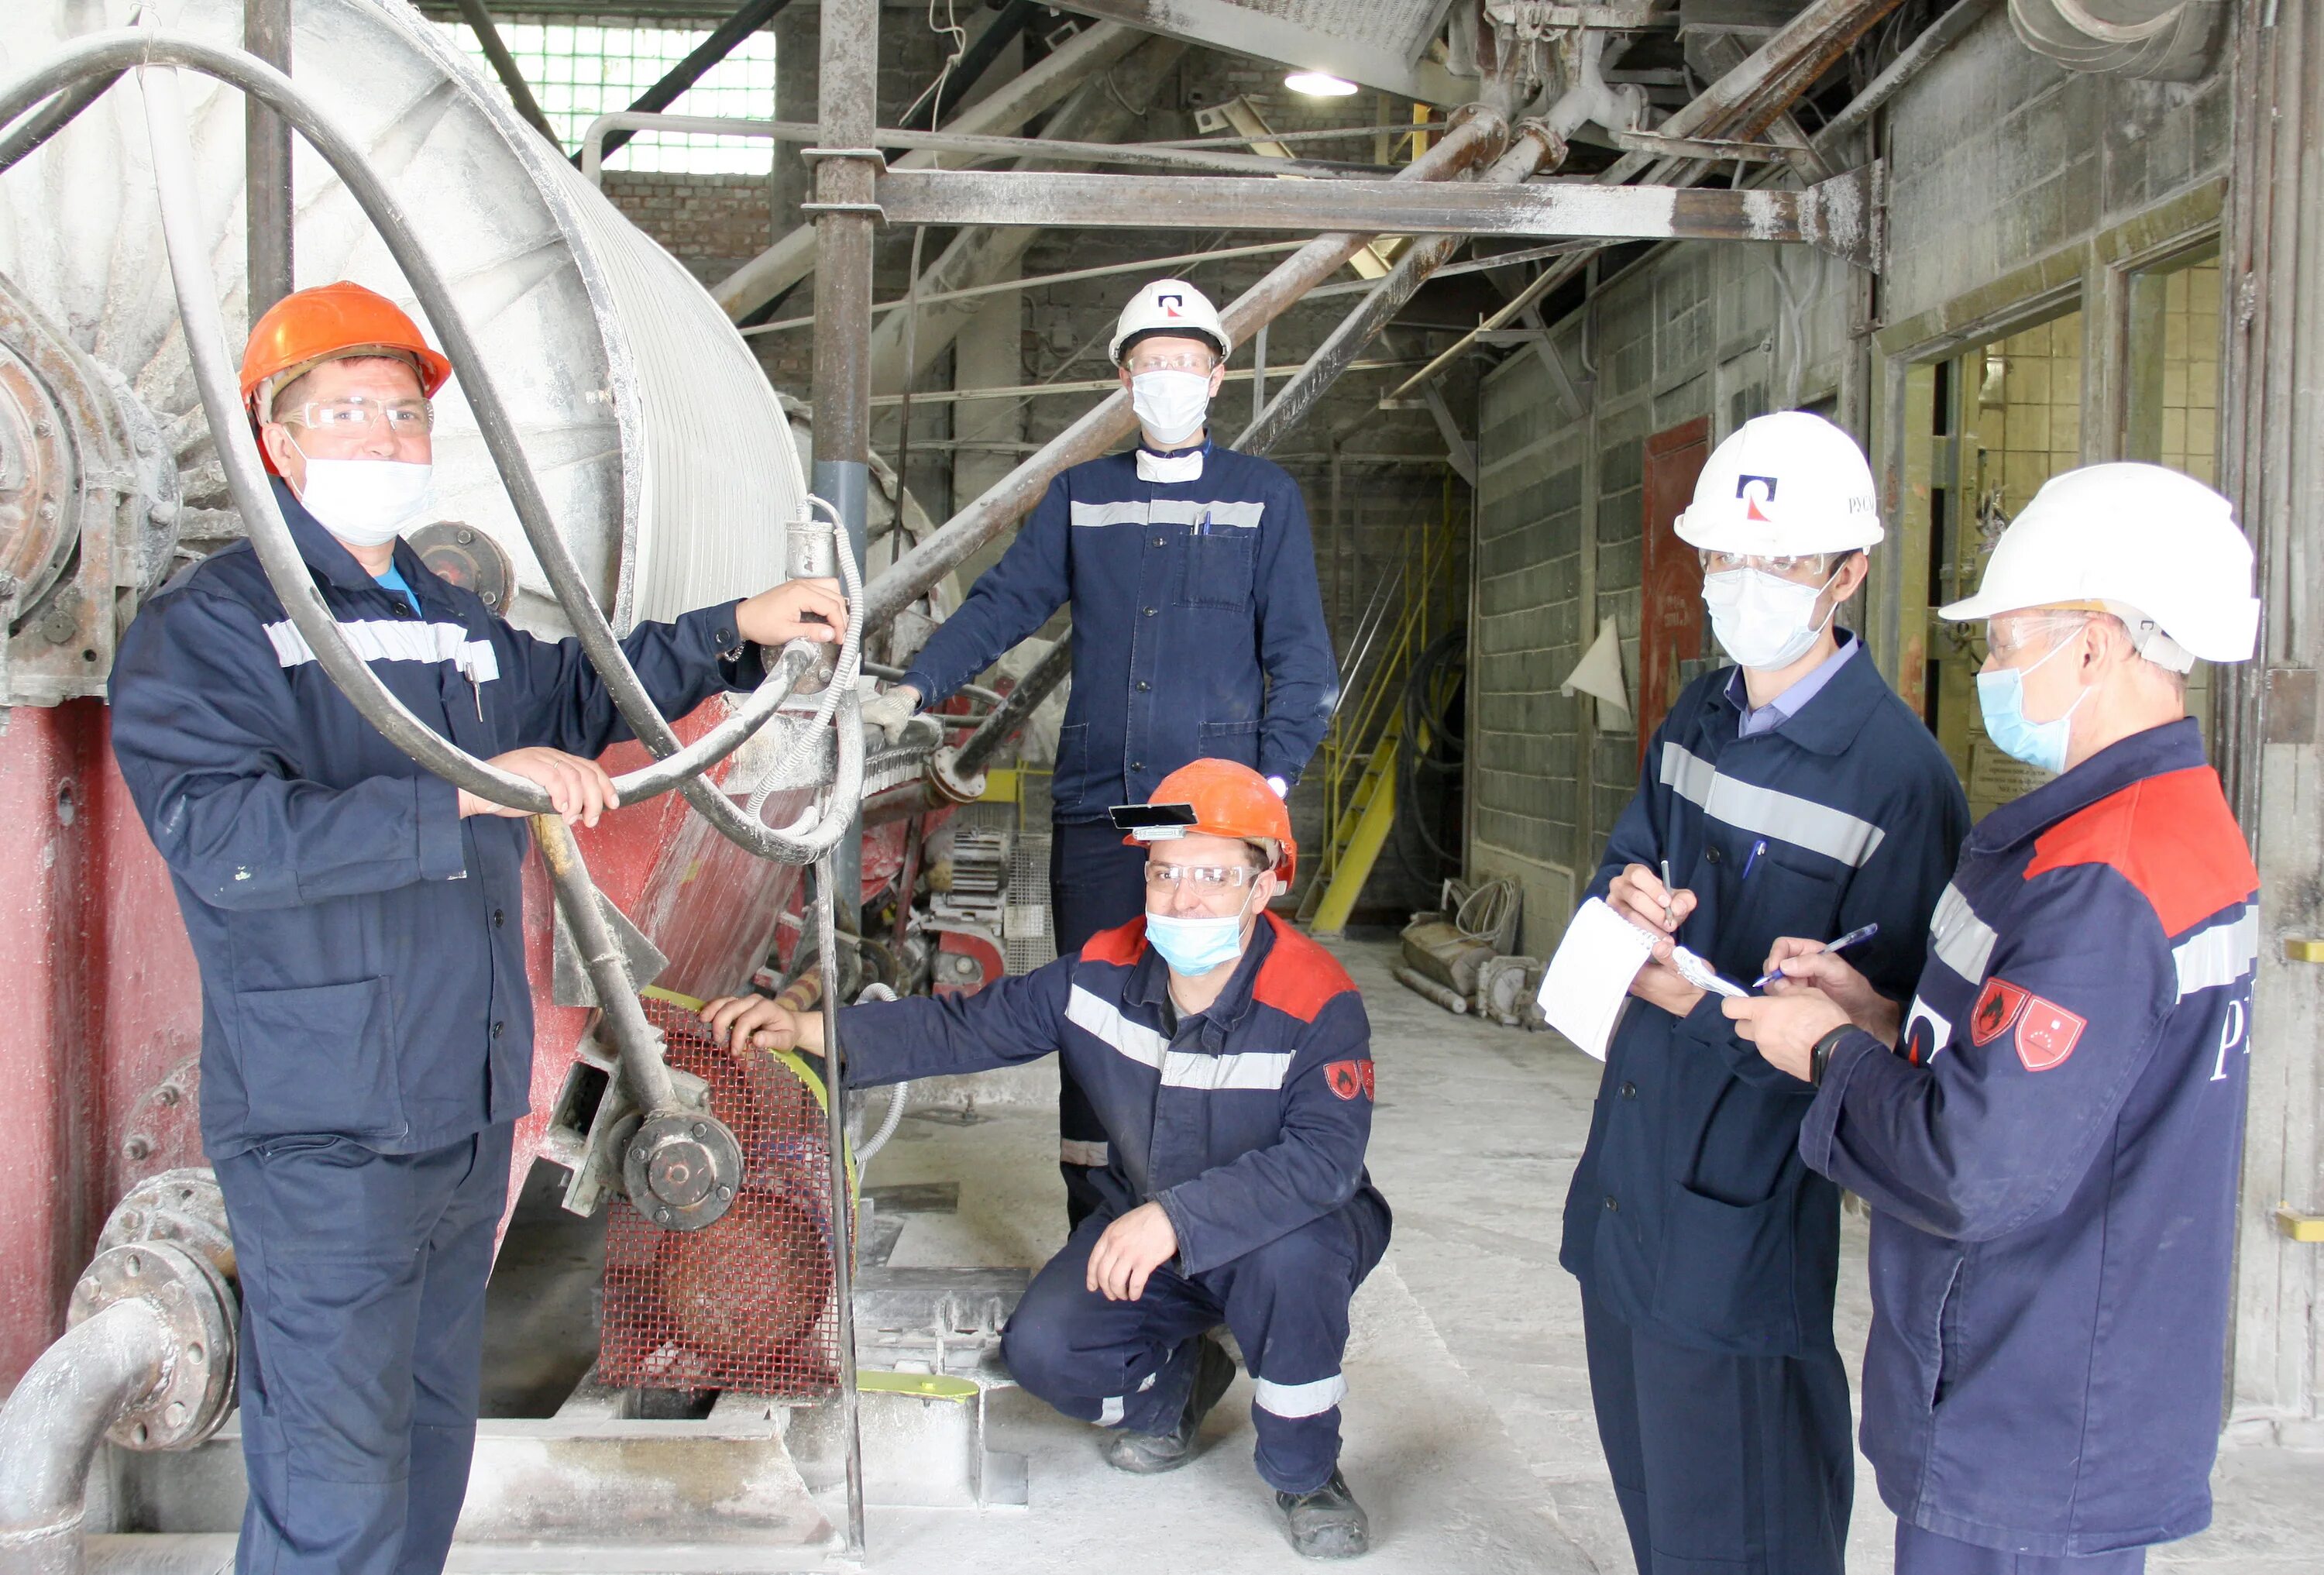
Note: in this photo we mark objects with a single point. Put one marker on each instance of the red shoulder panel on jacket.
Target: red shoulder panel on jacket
(2171, 836)
(1298, 977)
(1124, 945)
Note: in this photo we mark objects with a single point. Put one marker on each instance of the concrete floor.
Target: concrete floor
(1469, 1431)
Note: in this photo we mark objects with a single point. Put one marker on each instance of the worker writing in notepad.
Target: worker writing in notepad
(1790, 795)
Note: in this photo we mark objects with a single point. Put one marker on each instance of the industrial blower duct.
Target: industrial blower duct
(147, 1362)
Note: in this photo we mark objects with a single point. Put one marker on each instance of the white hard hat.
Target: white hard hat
(2149, 545)
(1168, 305)
(1783, 486)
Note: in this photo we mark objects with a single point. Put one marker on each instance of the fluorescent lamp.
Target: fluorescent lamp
(1319, 84)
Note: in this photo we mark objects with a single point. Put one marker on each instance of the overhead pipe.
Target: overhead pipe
(1479, 134)
(1935, 39)
(1033, 91)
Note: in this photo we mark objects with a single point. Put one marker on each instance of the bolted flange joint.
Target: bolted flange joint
(683, 1168)
(944, 775)
(197, 1308)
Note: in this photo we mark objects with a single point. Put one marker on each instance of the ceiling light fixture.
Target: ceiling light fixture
(1319, 84)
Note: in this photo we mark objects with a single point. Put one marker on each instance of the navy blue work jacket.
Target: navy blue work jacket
(361, 946)
(1246, 1125)
(2052, 1157)
(1198, 629)
(1692, 1214)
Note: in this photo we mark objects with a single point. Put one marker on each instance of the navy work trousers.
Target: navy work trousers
(362, 1314)
(1723, 1464)
(1095, 883)
(1924, 1552)
(1130, 1364)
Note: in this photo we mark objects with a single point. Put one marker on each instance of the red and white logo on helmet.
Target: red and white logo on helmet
(1785, 484)
(1169, 306)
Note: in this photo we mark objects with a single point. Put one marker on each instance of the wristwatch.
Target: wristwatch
(1819, 1055)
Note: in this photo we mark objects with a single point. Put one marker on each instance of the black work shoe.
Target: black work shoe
(1146, 1453)
(1327, 1523)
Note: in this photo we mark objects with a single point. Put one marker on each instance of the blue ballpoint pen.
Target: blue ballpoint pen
(1752, 857)
(1850, 939)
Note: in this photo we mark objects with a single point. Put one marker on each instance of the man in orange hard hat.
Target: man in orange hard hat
(366, 1020)
(1229, 1060)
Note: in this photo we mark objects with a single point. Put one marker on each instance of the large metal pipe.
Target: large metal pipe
(55, 1419)
(1004, 722)
(794, 257)
(1533, 148)
(1479, 135)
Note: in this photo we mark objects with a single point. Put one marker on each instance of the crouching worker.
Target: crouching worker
(1230, 1060)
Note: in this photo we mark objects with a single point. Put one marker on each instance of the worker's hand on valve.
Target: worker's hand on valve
(1785, 1027)
(1132, 1247)
(579, 789)
(891, 711)
(794, 610)
(1807, 967)
(741, 1023)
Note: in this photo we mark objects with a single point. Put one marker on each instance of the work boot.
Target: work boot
(1327, 1523)
(1147, 1454)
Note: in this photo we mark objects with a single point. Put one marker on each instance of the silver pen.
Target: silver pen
(1668, 918)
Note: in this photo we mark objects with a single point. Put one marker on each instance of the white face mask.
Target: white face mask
(366, 502)
(1170, 405)
(1762, 619)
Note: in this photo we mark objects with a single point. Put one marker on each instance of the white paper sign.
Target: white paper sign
(1584, 986)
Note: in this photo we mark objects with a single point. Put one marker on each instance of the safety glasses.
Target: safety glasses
(1201, 876)
(355, 414)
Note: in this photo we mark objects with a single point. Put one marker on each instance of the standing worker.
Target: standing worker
(1198, 630)
(1793, 795)
(359, 923)
(2049, 1138)
(1231, 1057)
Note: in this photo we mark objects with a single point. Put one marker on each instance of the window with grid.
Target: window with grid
(580, 69)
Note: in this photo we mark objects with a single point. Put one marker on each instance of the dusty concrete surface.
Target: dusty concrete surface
(1470, 1436)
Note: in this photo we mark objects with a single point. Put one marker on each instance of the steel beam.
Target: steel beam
(266, 34)
(793, 258)
(1835, 215)
(1243, 30)
(505, 66)
(1479, 135)
(750, 18)
(927, 112)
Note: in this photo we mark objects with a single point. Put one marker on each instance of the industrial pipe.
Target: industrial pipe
(1479, 134)
(55, 1419)
(636, 1040)
(841, 1202)
(1005, 722)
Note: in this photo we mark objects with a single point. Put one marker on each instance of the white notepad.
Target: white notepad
(1585, 984)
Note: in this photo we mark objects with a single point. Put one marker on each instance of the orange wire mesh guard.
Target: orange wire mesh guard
(745, 1304)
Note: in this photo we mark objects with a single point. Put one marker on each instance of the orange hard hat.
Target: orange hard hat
(309, 327)
(1231, 800)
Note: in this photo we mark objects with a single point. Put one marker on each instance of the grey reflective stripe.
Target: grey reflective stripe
(1961, 941)
(1109, 1412)
(1168, 512)
(1081, 1151)
(1786, 816)
(1102, 1018)
(1264, 1069)
(1295, 1400)
(381, 640)
(2222, 955)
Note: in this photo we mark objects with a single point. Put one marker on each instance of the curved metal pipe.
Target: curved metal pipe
(109, 53)
(53, 1422)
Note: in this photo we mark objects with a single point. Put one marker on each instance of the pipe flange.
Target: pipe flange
(945, 777)
(182, 1206)
(196, 1387)
(682, 1168)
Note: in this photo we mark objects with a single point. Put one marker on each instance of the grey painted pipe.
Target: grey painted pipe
(53, 1422)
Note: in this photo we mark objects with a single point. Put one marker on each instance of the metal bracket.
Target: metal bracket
(871, 156)
(874, 208)
(2297, 1226)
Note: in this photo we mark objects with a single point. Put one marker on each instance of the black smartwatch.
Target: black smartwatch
(1819, 1054)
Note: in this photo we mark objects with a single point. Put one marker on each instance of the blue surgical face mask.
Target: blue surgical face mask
(1194, 946)
(2001, 697)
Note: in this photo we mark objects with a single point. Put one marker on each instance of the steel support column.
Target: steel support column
(1480, 135)
(2269, 725)
(266, 34)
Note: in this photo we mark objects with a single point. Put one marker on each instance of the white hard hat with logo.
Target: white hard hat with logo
(1783, 486)
(2158, 549)
(1173, 307)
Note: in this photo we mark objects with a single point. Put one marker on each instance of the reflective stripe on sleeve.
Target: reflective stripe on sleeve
(1109, 1412)
(1961, 941)
(2222, 955)
(1102, 1018)
(1246, 1068)
(1800, 822)
(1297, 1400)
(381, 639)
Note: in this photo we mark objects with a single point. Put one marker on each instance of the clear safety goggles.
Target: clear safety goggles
(1143, 362)
(2011, 632)
(1802, 567)
(1201, 876)
(356, 414)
